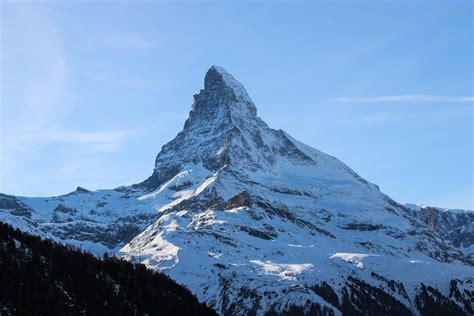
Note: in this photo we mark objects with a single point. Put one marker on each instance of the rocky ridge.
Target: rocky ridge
(253, 221)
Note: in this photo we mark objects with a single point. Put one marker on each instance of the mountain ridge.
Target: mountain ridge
(254, 221)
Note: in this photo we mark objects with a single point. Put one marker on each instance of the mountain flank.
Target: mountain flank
(252, 221)
(41, 277)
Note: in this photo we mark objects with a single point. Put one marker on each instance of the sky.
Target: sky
(91, 90)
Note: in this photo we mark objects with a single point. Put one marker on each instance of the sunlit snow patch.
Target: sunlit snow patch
(176, 179)
(158, 254)
(284, 270)
(354, 258)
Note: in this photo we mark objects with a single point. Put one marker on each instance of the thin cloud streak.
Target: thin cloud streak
(124, 41)
(33, 41)
(94, 149)
(98, 140)
(405, 98)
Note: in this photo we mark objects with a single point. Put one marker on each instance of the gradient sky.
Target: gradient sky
(90, 91)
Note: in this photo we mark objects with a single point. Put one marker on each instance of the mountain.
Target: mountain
(254, 222)
(39, 277)
(453, 226)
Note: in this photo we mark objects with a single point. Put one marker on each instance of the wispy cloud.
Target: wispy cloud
(38, 149)
(32, 40)
(101, 141)
(34, 61)
(356, 51)
(113, 76)
(123, 41)
(63, 157)
(397, 117)
(404, 98)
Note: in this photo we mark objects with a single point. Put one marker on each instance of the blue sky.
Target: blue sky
(90, 91)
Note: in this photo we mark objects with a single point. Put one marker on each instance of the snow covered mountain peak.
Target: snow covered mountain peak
(217, 75)
(218, 78)
(256, 222)
(223, 133)
(223, 98)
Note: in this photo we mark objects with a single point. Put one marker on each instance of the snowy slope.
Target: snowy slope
(251, 220)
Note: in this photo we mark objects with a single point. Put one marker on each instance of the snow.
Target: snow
(283, 271)
(239, 89)
(17, 244)
(176, 179)
(354, 258)
(417, 207)
(325, 221)
(204, 185)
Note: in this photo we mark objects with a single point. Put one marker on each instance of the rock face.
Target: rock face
(453, 226)
(253, 221)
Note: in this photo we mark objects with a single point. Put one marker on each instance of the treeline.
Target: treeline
(41, 277)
